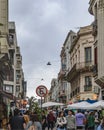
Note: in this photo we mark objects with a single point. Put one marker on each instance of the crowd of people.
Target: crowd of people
(56, 120)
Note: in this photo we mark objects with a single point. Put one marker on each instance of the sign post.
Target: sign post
(41, 91)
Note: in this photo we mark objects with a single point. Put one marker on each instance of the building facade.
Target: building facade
(64, 86)
(96, 8)
(80, 73)
(12, 84)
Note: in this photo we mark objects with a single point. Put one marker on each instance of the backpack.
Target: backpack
(50, 117)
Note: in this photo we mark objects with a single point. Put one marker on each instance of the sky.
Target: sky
(41, 28)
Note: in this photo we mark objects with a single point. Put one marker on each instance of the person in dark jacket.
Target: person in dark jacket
(44, 120)
(51, 120)
(16, 122)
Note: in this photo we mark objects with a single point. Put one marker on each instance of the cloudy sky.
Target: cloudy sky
(42, 26)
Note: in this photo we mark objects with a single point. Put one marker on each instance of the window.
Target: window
(8, 88)
(88, 56)
(11, 39)
(95, 55)
(64, 85)
(88, 81)
(17, 88)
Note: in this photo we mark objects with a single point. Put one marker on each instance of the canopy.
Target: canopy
(49, 104)
(96, 105)
(85, 105)
(79, 105)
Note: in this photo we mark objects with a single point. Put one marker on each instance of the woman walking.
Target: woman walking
(61, 121)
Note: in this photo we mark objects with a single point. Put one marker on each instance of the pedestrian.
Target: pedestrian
(101, 126)
(97, 119)
(71, 125)
(31, 124)
(26, 116)
(61, 121)
(51, 120)
(34, 123)
(80, 120)
(16, 122)
(91, 121)
(44, 120)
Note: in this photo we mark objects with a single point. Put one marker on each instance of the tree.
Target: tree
(31, 102)
(34, 106)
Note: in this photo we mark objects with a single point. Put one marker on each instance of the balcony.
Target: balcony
(18, 57)
(17, 50)
(61, 74)
(100, 81)
(94, 30)
(62, 93)
(3, 49)
(18, 66)
(87, 88)
(79, 68)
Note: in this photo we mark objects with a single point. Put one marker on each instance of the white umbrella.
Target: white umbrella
(79, 105)
(97, 105)
(49, 104)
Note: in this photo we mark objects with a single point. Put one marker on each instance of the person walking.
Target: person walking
(91, 121)
(34, 123)
(16, 122)
(44, 120)
(61, 121)
(51, 120)
(26, 116)
(80, 120)
(101, 126)
(71, 125)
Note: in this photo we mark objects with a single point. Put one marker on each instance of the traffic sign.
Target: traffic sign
(41, 91)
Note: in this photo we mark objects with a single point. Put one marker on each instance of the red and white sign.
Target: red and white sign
(41, 91)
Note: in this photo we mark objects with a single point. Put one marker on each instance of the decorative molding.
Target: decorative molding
(101, 4)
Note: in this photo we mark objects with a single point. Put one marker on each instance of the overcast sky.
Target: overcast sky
(42, 26)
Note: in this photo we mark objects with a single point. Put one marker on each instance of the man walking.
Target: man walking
(70, 121)
(80, 120)
(16, 122)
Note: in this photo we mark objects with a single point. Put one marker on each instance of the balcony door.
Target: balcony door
(88, 83)
(88, 55)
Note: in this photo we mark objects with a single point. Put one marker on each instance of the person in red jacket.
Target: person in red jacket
(51, 120)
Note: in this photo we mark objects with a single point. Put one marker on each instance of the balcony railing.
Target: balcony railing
(62, 93)
(61, 74)
(17, 50)
(19, 58)
(79, 67)
(87, 87)
(3, 49)
(18, 66)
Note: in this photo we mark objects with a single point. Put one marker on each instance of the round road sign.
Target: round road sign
(41, 91)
